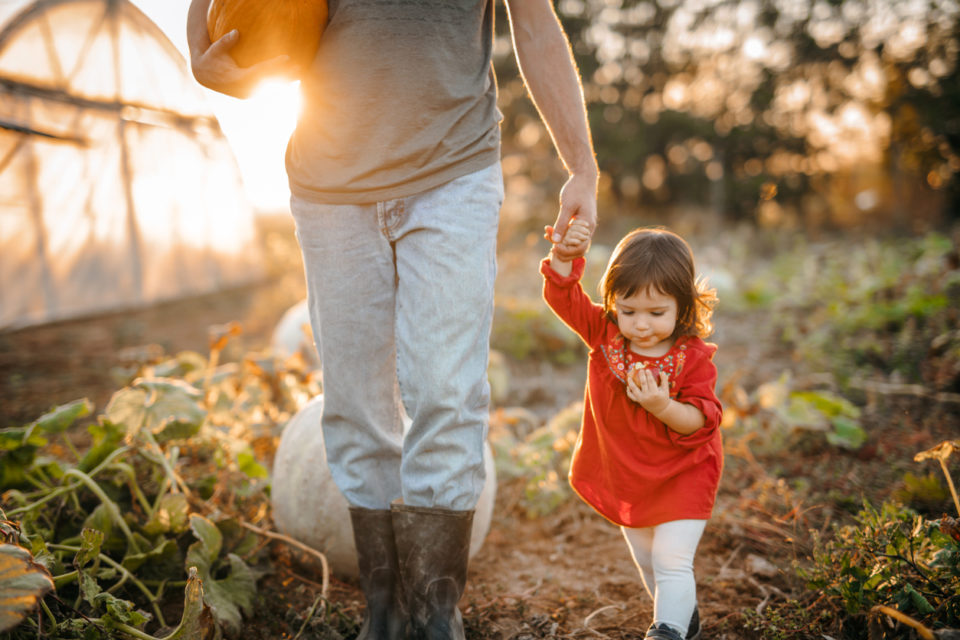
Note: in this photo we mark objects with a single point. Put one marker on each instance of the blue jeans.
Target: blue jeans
(401, 303)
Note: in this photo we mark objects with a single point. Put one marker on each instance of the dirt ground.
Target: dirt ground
(568, 574)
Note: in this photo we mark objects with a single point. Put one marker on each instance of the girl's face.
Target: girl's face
(647, 319)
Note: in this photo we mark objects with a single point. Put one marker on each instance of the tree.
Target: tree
(763, 107)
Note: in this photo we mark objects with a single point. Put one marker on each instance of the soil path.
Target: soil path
(567, 574)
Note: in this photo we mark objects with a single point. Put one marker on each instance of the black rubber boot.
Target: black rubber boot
(693, 631)
(386, 615)
(433, 546)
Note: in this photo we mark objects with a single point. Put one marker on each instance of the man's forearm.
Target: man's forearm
(548, 69)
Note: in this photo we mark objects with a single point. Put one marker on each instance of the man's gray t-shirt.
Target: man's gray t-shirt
(401, 98)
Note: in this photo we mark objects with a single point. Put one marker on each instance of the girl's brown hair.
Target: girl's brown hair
(660, 259)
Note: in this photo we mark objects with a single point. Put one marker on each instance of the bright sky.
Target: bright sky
(257, 128)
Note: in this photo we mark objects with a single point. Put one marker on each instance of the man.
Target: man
(396, 189)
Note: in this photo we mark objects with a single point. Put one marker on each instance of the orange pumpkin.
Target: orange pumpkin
(269, 28)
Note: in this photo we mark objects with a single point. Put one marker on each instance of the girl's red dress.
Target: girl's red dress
(627, 464)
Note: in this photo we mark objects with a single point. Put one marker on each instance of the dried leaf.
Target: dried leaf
(220, 334)
(22, 583)
(940, 452)
(950, 527)
(191, 625)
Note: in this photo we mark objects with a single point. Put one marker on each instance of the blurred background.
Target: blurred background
(756, 128)
(788, 114)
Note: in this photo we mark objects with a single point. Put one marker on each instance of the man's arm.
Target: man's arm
(547, 66)
(211, 63)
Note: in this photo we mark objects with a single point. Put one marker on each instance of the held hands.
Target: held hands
(578, 201)
(574, 242)
(643, 388)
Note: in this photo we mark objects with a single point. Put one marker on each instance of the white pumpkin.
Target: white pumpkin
(293, 335)
(309, 507)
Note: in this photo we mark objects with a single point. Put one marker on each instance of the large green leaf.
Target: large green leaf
(169, 409)
(18, 452)
(847, 433)
(228, 597)
(62, 418)
(107, 436)
(171, 515)
(91, 540)
(163, 554)
(22, 583)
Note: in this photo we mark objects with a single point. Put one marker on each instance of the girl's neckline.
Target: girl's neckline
(627, 350)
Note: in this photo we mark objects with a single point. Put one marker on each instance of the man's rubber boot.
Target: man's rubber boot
(433, 546)
(693, 631)
(386, 614)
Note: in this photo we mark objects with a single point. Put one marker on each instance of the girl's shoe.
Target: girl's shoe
(662, 632)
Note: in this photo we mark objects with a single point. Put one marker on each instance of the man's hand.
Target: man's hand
(575, 241)
(212, 64)
(578, 201)
(215, 69)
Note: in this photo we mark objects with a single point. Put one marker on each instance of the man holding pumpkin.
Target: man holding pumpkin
(394, 170)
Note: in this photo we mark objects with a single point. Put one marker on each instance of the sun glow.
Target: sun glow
(258, 129)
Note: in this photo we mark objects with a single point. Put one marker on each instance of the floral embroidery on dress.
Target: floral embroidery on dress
(613, 351)
(621, 360)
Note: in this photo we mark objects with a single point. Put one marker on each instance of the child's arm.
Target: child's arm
(643, 389)
(575, 243)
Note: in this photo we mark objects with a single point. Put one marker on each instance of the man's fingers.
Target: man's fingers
(225, 42)
(563, 221)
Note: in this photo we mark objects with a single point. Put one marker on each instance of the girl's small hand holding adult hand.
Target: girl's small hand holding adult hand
(642, 388)
(573, 244)
(575, 241)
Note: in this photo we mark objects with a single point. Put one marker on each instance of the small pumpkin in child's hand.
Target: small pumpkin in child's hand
(637, 367)
(269, 28)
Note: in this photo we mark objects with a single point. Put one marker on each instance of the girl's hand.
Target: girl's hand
(575, 241)
(643, 389)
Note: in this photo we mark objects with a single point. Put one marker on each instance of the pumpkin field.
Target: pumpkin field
(809, 152)
(138, 449)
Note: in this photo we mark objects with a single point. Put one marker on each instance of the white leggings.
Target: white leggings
(664, 556)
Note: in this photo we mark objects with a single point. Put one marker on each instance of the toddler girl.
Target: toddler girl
(648, 456)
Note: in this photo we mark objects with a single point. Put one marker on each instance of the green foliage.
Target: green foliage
(226, 596)
(659, 95)
(884, 308)
(19, 445)
(121, 526)
(925, 493)
(541, 459)
(525, 330)
(786, 621)
(891, 556)
(775, 414)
